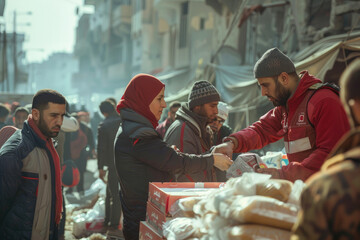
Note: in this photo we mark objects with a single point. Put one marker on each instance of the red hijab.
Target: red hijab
(139, 93)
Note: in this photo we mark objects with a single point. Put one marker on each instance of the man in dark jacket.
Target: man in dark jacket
(190, 132)
(105, 149)
(30, 183)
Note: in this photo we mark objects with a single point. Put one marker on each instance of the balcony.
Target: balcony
(121, 20)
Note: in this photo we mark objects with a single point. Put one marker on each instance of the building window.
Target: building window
(183, 24)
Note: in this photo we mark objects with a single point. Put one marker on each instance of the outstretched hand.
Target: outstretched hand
(224, 148)
(222, 161)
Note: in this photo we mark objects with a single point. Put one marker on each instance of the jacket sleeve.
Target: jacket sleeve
(101, 146)
(330, 123)
(10, 179)
(261, 133)
(156, 153)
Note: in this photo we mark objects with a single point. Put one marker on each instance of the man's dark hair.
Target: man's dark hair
(106, 107)
(44, 96)
(21, 109)
(112, 100)
(175, 104)
(4, 111)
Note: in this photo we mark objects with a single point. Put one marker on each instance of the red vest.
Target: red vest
(299, 133)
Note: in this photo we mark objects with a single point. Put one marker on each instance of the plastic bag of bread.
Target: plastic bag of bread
(212, 223)
(279, 189)
(246, 184)
(259, 210)
(295, 194)
(252, 231)
(187, 205)
(182, 228)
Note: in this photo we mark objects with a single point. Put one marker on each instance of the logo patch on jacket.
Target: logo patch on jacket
(301, 119)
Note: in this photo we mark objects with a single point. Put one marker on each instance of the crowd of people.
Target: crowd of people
(318, 122)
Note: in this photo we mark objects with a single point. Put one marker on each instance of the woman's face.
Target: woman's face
(158, 104)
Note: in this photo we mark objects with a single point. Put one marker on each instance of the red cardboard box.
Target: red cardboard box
(155, 217)
(164, 195)
(148, 233)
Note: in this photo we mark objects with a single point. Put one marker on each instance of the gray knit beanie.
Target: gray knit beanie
(272, 63)
(202, 92)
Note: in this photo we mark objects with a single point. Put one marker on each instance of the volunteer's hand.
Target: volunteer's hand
(224, 148)
(222, 161)
(102, 174)
(272, 171)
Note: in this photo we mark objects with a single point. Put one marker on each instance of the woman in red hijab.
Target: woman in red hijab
(141, 156)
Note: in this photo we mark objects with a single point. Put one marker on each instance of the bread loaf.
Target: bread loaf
(276, 188)
(260, 210)
(252, 231)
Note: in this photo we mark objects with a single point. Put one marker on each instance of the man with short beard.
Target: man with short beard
(307, 114)
(30, 183)
(190, 132)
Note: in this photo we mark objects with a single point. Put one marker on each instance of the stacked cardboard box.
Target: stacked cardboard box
(161, 197)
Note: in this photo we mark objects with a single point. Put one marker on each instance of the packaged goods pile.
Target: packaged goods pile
(252, 206)
(162, 205)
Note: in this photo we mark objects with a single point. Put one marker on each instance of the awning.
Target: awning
(320, 57)
(172, 74)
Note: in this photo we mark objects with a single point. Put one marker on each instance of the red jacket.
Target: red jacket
(325, 112)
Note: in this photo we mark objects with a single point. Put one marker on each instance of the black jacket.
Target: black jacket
(106, 137)
(141, 156)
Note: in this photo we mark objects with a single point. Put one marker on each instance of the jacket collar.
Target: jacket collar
(199, 122)
(135, 125)
(305, 83)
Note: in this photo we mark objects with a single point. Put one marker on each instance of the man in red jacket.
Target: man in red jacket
(307, 114)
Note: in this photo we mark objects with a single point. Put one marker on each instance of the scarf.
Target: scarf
(56, 161)
(139, 93)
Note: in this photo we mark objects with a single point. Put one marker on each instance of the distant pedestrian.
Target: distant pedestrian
(20, 115)
(105, 155)
(4, 113)
(163, 127)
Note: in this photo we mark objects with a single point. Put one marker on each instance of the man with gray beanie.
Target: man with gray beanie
(190, 132)
(308, 115)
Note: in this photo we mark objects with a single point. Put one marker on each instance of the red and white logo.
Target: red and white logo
(301, 118)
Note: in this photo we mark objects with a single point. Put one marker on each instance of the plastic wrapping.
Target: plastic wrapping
(272, 159)
(246, 184)
(186, 206)
(182, 228)
(259, 210)
(247, 162)
(95, 188)
(295, 194)
(276, 188)
(252, 231)
(212, 223)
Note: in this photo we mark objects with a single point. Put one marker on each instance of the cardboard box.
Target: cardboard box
(156, 218)
(164, 195)
(148, 233)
